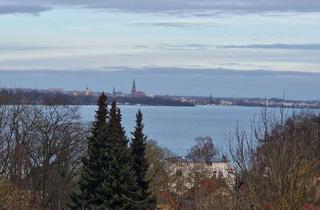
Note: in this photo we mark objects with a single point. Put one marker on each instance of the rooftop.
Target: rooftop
(188, 159)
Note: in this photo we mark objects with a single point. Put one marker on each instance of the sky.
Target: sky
(191, 34)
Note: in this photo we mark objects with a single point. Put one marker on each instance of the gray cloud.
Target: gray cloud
(171, 5)
(276, 46)
(35, 6)
(179, 24)
(14, 47)
(22, 47)
(174, 47)
(184, 46)
(22, 8)
(245, 65)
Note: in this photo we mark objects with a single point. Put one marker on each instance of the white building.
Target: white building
(189, 170)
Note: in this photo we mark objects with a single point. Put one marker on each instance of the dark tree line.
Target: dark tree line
(113, 174)
(21, 96)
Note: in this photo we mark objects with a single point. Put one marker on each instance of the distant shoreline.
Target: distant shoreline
(61, 97)
(273, 107)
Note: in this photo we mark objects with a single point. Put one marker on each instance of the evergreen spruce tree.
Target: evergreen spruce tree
(140, 164)
(98, 158)
(124, 187)
(107, 180)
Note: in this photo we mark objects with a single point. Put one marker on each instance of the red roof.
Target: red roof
(309, 207)
(165, 197)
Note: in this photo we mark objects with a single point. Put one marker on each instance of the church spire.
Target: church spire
(133, 89)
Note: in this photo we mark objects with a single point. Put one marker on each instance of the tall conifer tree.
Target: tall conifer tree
(140, 164)
(124, 187)
(107, 180)
(92, 170)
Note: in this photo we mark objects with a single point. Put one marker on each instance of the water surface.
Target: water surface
(177, 127)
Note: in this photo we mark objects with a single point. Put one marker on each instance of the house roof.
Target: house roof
(165, 197)
(188, 159)
(309, 207)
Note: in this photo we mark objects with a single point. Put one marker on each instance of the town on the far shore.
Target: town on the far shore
(60, 96)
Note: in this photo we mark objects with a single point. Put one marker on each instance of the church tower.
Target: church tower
(133, 89)
(87, 92)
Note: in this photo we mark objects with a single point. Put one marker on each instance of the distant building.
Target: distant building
(215, 168)
(135, 92)
(133, 89)
(55, 90)
(116, 93)
(226, 103)
(88, 92)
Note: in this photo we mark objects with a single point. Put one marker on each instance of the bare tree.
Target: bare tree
(3, 194)
(209, 194)
(40, 153)
(55, 152)
(204, 150)
(158, 167)
(278, 166)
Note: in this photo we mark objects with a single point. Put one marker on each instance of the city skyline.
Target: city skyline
(221, 83)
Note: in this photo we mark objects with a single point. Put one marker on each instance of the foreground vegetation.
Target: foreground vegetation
(50, 160)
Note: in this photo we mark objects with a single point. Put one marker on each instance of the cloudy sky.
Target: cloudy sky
(110, 34)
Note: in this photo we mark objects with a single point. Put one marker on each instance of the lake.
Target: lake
(177, 127)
